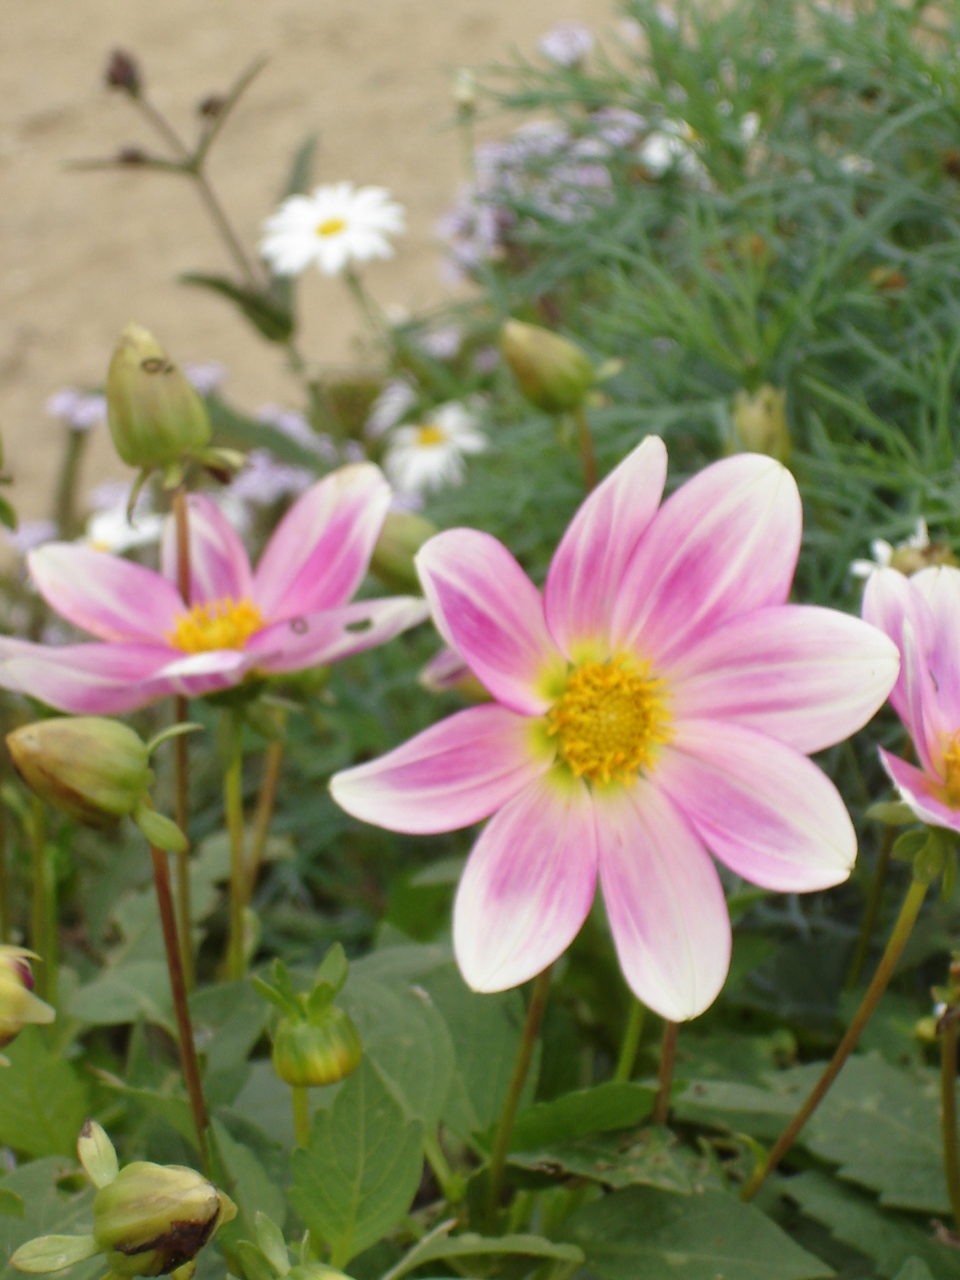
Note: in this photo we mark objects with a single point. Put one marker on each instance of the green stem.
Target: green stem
(181, 759)
(301, 1115)
(4, 880)
(371, 312)
(898, 940)
(261, 828)
(178, 988)
(448, 1181)
(588, 461)
(948, 1086)
(38, 899)
(874, 897)
(521, 1069)
(668, 1056)
(631, 1041)
(233, 803)
(64, 503)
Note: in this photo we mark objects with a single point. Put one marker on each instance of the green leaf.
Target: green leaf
(228, 1020)
(272, 1244)
(439, 1244)
(8, 516)
(124, 994)
(11, 1205)
(47, 1211)
(175, 1111)
(738, 1108)
(613, 1105)
(43, 1100)
(890, 1239)
(53, 1253)
(362, 1169)
(263, 308)
(914, 1269)
(645, 1232)
(653, 1157)
(246, 1183)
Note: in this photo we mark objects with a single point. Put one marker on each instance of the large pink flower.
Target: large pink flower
(921, 615)
(291, 613)
(656, 701)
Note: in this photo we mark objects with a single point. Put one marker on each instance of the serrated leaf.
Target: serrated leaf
(175, 1111)
(738, 1108)
(615, 1104)
(47, 1211)
(645, 1232)
(228, 1020)
(651, 1157)
(43, 1100)
(247, 1184)
(124, 994)
(440, 1245)
(263, 308)
(362, 1169)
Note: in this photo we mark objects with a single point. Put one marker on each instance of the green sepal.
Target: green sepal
(331, 976)
(163, 833)
(276, 999)
(906, 847)
(173, 731)
(53, 1253)
(272, 1244)
(173, 475)
(97, 1154)
(255, 1265)
(892, 813)
(929, 860)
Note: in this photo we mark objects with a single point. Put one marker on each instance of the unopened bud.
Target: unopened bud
(18, 1004)
(465, 91)
(761, 422)
(152, 1218)
(155, 414)
(321, 1051)
(554, 374)
(123, 72)
(908, 560)
(401, 537)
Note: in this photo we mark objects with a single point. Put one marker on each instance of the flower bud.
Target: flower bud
(18, 1004)
(401, 537)
(761, 422)
(155, 414)
(152, 1219)
(324, 1050)
(465, 91)
(554, 374)
(123, 72)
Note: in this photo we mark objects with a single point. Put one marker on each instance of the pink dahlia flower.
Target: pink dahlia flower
(289, 614)
(657, 701)
(921, 615)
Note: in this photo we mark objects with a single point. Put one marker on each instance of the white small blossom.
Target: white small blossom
(78, 409)
(749, 127)
(669, 146)
(855, 165)
(264, 480)
(426, 457)
(110, 530)
(618, 126)
(442, 344)
(207, 378)
(567, 44)
(336, 226)
(883, 552)
(389, 408)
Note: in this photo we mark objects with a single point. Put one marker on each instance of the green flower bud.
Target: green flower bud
(401, 537)
(155, 414)
(554, 374)
(18, 1004)
(152, 1219)
(322, 1051)
(761, 422)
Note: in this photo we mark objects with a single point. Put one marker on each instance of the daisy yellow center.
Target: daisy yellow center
(951, 769)
(331, 226)
(219, 624)
(429, 435)
(609, 720)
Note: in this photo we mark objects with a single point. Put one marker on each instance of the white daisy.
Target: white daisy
(883, 552)
(396, 397)
(337, 225)
(424, 458)
(111, 531)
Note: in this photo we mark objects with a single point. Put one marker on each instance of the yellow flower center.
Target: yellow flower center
(331, 226)
(610, 720)
(429, 435)
(219, 624)
(951, 770)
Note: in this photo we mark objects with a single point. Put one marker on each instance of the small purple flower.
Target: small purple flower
(207, 378)
(77, 409)
(567, 44)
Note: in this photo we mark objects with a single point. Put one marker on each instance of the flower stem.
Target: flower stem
(38, 900)
(521, 1069)
(869, 921)
(181, 755)
(369, 309)
(268, 795)
(898, 940)
(64, 503)
(948, 1086)
(668, 1056)
(588, 460)
(450, 1184)
(631, 1041)
(188, 1053)
(301, 1115)
(233, 803)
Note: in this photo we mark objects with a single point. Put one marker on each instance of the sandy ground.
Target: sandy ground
(83, 253)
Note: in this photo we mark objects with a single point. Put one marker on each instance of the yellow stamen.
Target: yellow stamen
(331, 226)
(610, 720)
(220, 624)
(951, 769)
(429, 435)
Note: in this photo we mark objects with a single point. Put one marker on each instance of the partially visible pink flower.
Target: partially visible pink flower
(921, 615)
(656, 701)
(289, 614)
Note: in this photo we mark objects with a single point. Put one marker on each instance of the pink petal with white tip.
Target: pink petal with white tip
(925, 795)
(528, 885)
(589, 563)
(330, 635)
(219, 565)
(940, 588)
(664, 901)
(452, 775)
(724, 544)
(486, 608)
(87, 679)
(759, 806)
(889, 599)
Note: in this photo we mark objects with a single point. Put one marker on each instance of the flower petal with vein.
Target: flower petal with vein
(293, 612)
(653, 706)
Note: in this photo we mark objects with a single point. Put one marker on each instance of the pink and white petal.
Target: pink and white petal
(320, 550)
(452, 775)
(589, 563)
(925, 794)
(87, 679)
(724, 544)
(805, 675)
(194, 675)
(924, 717)
(112, 598)
(763, 809)
(219, 565)
(888, 600)
(664, 901)
(330, 635)
(940, 588)
(528, 884)
(485, 607)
